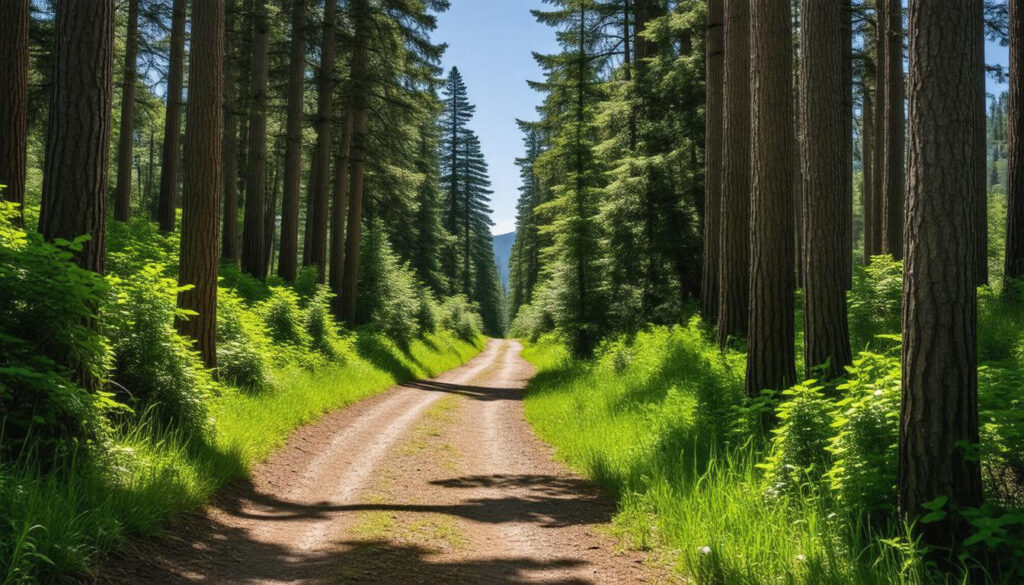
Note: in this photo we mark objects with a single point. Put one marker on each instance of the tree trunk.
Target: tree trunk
(981, 161)
(14, 17)
(289, 258)
(320, 169)
(270, 217)
(167, 206)
(846, 9)
(826, 250)
(126, 138)
(1015, 146)
(712, 162)
(939, 411)
(867, 187)
(893, 175)
(734, 247)
(78, 130)
(253, 236)
(770, 357)
(360, 110)
(339, 210)
(200, 221)
(878, 166)
(229, 237)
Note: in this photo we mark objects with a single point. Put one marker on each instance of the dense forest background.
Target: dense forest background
(767, 260)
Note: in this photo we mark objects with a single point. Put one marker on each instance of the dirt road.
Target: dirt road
(432, 482)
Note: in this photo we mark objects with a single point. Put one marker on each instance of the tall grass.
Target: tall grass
(54, 522)
(654, 419)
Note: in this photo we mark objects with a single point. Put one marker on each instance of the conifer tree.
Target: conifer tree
(569, 164)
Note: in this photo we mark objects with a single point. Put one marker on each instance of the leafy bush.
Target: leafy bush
(429, 315)
(534, 319)
(1000, 327)
(306, 282)
(876, 301)
(387, 289)
(461, 317)
(1001, 406)
(799, 441)
(50, 346)
(283, 317)
(243, 345)
(865, 446)
(155, 368)
(320, 327)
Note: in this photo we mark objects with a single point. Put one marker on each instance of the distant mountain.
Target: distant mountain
(503, 255)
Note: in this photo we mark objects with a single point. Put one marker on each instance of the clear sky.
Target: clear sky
(491, 41)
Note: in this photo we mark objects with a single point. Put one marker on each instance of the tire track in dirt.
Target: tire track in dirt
(433, 482)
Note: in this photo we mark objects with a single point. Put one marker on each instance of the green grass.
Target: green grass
(642, 420)
(54, 524)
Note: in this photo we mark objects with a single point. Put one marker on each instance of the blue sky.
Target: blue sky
(491, 41)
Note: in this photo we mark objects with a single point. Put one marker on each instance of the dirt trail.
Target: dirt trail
(432, 482)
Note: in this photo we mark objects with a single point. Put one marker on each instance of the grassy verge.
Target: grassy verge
(648, 420)
(53, 524)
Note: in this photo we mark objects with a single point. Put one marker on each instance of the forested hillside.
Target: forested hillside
(767, 268)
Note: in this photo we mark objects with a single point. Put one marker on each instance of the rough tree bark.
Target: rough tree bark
(339, 209)
(878, 164)
(939, 412)
(229, 235)
(360, 111)
(734, 252)
(1015, 146)
(893, 173)
(256, 183)
(78, 129)
(867, 143)
(126, 138)
(200, 219)
(770, 354)
(14, 16)
(287, 263)
(846, 36)
(826, 251)
(712, 162)
(168, 202)
(320, 169)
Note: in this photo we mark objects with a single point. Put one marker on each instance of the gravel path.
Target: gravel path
(433, 482)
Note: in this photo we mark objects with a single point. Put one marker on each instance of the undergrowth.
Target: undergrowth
(658, 419)
(110, 425)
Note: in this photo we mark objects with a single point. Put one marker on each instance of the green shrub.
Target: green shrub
(283, 317)
(1000, 327)
(243, 345)
(1001, 417)
(49, 344)
(876, 301)
(429, 315)
(139, 243)
(461, 317)
(320, 327)
(307, 282)
(865, 445)
(155, 368)
(798, 451)
(387, 289)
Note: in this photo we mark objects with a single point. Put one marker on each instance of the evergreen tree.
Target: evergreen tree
(570, 166)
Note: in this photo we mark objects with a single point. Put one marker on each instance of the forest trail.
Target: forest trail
(433, 482)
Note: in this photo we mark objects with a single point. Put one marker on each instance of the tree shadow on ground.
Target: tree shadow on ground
(216, 549)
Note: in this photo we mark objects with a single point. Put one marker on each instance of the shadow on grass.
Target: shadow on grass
(371, 348)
